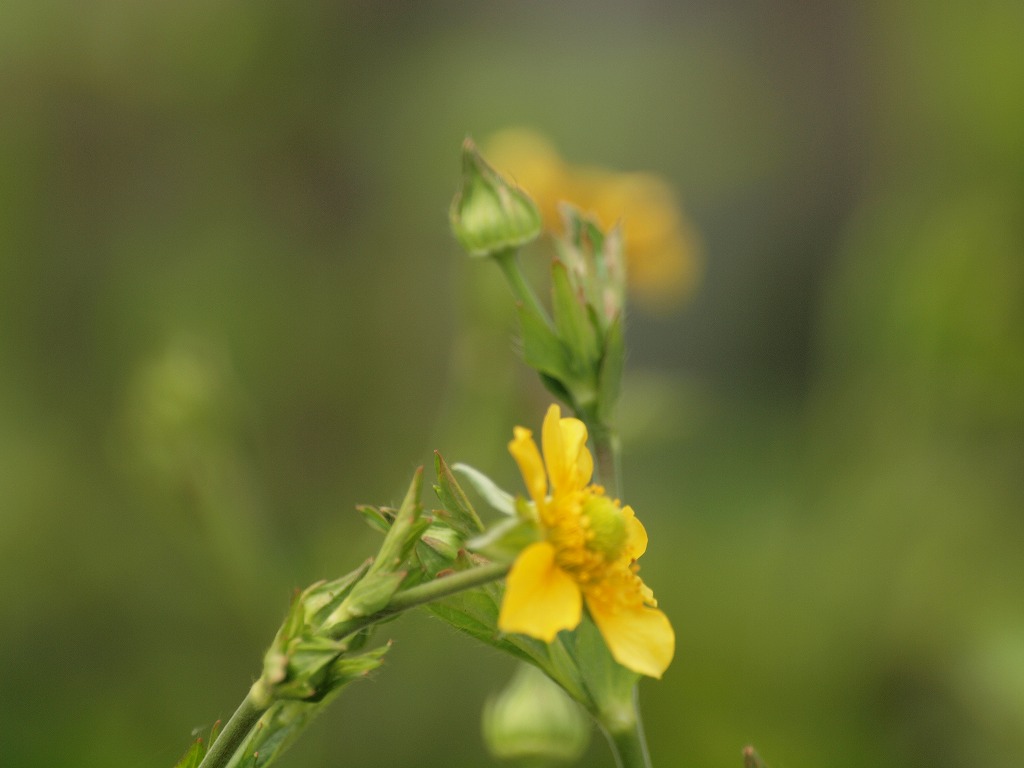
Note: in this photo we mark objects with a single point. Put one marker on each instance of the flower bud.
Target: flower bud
(534, 721)
(489, 215)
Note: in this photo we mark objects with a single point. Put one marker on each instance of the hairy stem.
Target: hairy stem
(524, 294)
(234, 731)
(422, 594)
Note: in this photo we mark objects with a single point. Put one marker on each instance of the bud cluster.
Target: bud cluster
(577, 349)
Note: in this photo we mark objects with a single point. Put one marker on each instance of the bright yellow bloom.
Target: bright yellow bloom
(587, 555)
(662, 250)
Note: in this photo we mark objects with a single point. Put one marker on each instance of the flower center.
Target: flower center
(606, 527)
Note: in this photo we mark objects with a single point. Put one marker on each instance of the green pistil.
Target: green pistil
(606, 525)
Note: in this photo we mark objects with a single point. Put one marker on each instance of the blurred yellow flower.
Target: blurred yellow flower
(587, 555)
(662, 251)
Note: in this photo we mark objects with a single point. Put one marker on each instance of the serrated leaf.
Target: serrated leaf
(475, 612)
(499, 499)
(461, 514)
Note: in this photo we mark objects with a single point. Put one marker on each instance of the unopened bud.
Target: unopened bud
(489, 215)
(535, 721)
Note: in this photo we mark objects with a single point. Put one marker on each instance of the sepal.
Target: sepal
(373, 592)
(459, 513)
(197, 749)
(499, 499)
(504, 540)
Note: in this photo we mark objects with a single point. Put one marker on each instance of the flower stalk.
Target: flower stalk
(629, 746)
(508, 261)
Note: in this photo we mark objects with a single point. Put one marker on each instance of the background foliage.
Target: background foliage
(230, 309)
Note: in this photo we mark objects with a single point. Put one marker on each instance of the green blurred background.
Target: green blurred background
(230, 310)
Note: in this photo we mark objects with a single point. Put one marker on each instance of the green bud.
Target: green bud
(595, 263)
(370, 595)
(489, 215)
(534, 721)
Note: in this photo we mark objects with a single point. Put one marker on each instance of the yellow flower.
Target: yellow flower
(587, 555)
(662, 250)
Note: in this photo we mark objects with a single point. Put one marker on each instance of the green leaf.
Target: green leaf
(475, 613)
(555, 387)
(542, 349)
(461, 514)
(572, 321)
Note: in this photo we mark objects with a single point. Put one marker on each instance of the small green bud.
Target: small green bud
(533, 720)
(489, 215)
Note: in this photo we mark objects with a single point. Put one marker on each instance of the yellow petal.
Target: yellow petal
(540, 598)
(636, 544)
(640, 638)
(524, 451)
(565, 451)
(648, 595)
(554, 453)
(585, 462)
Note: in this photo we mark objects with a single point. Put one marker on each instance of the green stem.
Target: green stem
(509, 264)
(258, 700)
(628, 743)
(234, 731)
(422, 594)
